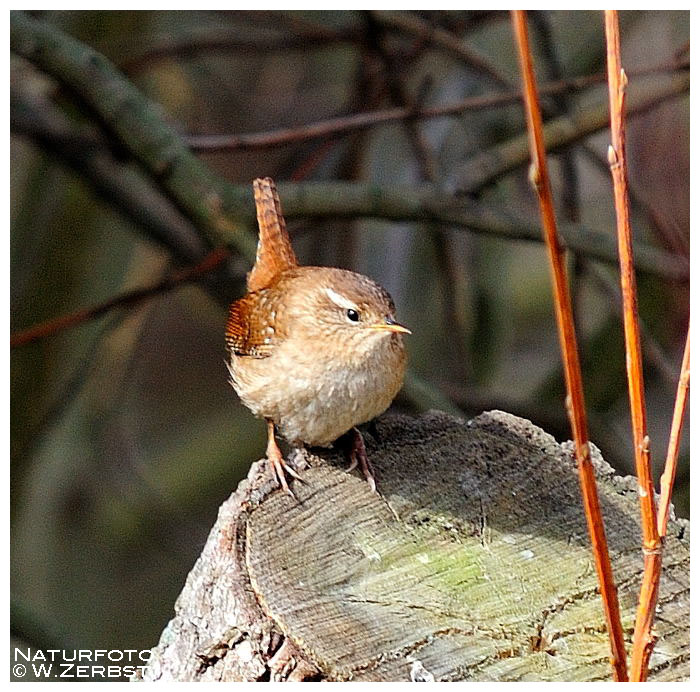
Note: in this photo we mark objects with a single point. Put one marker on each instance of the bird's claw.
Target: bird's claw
(358, 454)
(280, 469)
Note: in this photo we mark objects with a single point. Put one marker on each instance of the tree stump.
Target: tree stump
(472, 563)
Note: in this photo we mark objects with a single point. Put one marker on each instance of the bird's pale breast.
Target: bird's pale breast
(311, 397)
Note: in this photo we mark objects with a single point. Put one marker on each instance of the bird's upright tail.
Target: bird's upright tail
(275, 253)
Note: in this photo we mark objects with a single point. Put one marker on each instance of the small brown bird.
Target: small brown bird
(315, 351)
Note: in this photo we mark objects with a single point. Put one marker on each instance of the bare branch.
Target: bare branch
(617, 84)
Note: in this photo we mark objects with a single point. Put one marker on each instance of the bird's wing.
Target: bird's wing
(249, 330)
(275, 253)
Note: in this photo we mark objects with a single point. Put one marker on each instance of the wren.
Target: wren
(315, 351)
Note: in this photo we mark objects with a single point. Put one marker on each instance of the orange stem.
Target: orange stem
(572, 369)
(669, 475)
(643, 642)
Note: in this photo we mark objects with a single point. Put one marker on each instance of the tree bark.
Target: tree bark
(472, 563)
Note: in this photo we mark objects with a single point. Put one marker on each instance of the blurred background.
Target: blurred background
(125, 435)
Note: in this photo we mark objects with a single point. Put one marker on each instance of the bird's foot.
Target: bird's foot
(358, 455)
(279, 468)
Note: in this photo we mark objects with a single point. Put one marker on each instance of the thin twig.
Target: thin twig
(669, 474)
(413, 25)
(572, 368)
(51, 327)
(343, 125)
(643, 642)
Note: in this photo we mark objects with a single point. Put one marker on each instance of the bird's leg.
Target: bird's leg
(279, 468)
(358, 453)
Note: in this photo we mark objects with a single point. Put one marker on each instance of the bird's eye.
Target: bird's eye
(353, 315)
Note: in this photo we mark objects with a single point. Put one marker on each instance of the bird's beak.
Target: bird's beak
(390, 325)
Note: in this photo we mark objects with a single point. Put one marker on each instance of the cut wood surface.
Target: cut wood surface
(472, 563)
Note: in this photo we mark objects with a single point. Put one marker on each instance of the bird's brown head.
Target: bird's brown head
(347, 312)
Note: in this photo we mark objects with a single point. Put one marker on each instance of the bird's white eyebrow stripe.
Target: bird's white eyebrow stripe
(340, 301)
